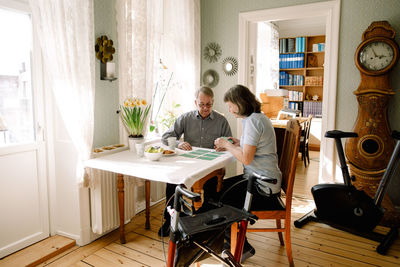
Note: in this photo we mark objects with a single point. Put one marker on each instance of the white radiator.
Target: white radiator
(104, 201)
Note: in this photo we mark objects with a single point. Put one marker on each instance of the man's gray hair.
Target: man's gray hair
(205, 90)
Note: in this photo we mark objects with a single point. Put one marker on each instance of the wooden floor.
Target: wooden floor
(313, 245)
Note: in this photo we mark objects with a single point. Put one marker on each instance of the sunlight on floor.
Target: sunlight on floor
(304, 207)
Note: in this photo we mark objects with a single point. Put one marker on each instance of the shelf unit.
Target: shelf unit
(312, 71)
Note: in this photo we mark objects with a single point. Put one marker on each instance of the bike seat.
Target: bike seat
(339, 134)
(396, 135)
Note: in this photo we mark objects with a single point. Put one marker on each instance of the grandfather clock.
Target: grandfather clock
(369, 153)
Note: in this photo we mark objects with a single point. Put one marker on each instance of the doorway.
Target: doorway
(330, 10)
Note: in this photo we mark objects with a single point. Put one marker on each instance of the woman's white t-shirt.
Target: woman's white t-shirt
(258, 131)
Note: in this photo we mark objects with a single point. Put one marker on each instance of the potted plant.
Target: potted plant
(134, 112)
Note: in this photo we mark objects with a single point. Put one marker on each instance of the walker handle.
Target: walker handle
(189, 194)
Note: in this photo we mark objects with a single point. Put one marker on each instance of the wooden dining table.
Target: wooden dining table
(191, 171)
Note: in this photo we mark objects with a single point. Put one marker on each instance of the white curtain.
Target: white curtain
(66, 33)
(151, 30)
(267, 57)
(181, 49)
(139, 25)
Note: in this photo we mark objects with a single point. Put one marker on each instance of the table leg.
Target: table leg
(121, 205)
(147, 196)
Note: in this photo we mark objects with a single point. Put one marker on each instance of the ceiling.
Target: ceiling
(302, 27)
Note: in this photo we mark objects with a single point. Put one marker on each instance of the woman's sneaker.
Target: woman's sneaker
(164, 229)
(248, 250)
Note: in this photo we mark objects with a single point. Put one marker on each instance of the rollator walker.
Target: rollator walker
(196, 236)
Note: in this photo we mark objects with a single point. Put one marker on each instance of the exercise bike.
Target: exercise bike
(193, 235)
(344, 207)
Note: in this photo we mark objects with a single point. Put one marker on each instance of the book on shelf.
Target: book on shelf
(313, 108)
(290, 79)
(319, 47)
(291, 61)
(300, 44)
(295, 96)
(298, 106)
(314, 81)
(292, 45)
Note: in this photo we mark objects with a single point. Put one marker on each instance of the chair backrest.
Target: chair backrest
(290, 151)
(307, 127)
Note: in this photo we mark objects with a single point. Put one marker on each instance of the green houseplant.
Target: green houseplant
(134, 112)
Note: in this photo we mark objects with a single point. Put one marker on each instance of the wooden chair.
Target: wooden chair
(198, 186)
(304, 141)
(287, 166)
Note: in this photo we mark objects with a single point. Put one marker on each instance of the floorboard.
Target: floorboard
(39, 252)
(315, 244)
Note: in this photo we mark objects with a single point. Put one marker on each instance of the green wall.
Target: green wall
(106, 121)
(219, 23)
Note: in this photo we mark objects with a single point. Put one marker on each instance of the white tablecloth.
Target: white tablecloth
(169, 169)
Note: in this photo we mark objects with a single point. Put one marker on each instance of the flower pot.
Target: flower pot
(134, 140)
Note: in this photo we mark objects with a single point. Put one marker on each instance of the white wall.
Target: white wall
(69, 204)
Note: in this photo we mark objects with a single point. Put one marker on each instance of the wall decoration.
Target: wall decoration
(230, 66)
(212, 52)
(104, 52)
(104, 49)
(210, 78)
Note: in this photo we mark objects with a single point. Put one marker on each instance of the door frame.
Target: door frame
(330, 10)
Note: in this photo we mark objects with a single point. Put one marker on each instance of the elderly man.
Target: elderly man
(200, 128)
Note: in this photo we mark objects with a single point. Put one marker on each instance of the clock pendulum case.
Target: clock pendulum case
(369, 153)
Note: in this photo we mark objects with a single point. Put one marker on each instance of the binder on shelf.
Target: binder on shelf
(291, 61)
(300, 44)
(291, 47)
(314, 108)
(284, 46)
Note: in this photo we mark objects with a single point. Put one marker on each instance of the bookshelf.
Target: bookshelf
(301, 72)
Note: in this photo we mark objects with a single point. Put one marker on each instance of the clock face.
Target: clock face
(376, 56)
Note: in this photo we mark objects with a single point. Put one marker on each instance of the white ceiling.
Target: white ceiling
(301, 27)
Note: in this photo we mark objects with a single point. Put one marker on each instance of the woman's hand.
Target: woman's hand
(221, 144)
(185, 146)
(235, 141)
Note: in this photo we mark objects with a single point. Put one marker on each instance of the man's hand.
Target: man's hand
(185, 146)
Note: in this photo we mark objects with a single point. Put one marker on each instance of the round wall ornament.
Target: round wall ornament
(210, 78)
(230, 66)
(104, 49)
(212, 52)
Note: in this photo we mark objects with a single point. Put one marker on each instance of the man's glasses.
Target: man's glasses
(208, 105)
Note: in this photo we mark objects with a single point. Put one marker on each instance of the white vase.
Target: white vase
(134, 140)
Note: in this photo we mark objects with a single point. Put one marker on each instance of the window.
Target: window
(16, 97)
(267, 57)
(167, 98)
